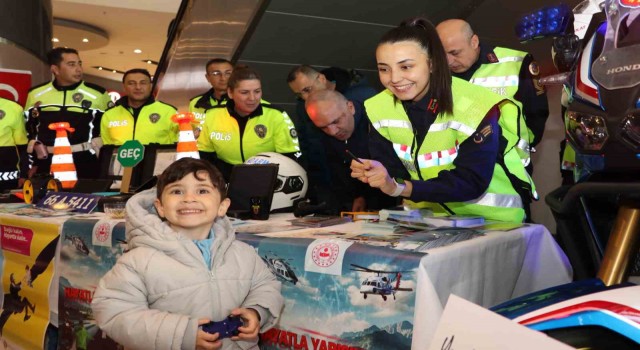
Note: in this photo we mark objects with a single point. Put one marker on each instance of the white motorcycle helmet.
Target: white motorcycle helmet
(292, 183)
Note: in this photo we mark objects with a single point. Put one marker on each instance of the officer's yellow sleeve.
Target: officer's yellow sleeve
(286, 136)
(19, 129)
(104, 129)
(204, 140)
(102, 103)
(192, 104)
(175, 127)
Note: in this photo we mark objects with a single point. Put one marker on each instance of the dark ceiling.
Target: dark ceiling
(323, 33)
(344, 33)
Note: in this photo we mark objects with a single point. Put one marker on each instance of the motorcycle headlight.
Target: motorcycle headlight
(630, 131)
(588, 132)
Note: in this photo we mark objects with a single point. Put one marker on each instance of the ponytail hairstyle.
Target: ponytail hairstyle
(422, 32)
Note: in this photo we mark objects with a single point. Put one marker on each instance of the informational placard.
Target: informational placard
(467, 326)
(130, 154)
(66, 201)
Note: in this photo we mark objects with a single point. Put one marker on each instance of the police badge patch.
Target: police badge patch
(77, 97)
(260, 130)
(154, 117)
(2, 114)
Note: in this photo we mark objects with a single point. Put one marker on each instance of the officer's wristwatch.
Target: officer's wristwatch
(399, 187)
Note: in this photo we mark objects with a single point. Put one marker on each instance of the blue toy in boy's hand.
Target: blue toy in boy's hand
(226, 328)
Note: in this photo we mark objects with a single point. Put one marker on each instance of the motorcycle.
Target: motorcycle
(596, 48)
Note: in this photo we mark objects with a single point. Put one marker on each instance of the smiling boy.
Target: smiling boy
(185, 268)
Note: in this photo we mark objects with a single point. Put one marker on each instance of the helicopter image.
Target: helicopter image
(281, 269)
(379, 284)
(78, 243)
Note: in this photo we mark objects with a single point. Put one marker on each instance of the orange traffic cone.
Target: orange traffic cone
(62, 166)
(187, 146)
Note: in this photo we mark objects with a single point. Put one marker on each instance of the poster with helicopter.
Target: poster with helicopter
(88, 250)
(340, 294)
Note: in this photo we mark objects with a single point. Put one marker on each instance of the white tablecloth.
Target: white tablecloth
(486, 271)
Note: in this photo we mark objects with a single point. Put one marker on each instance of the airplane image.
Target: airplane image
(281, 269)
(379, 284)
(78, 243)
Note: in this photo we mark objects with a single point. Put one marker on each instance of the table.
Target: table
(323, 279)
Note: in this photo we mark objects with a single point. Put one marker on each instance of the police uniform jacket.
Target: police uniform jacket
(458, 163)
(150, 123)
(13, 142)
(234, 138)
(512, 74)
(199, 105)
(81, 105)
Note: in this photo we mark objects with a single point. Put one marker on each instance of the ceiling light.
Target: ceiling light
(149, 62)
(85, 40)
(107, 69)
(137, 51)
(55, 40)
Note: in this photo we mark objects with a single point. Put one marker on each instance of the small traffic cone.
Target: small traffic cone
(62, 166)
(187, 146)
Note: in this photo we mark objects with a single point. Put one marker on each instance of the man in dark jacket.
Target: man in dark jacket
(346, 128)
(304, 80)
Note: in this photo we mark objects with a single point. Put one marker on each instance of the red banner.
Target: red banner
(15, 84)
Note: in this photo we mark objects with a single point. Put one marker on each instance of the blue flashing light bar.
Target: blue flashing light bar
(546, 22)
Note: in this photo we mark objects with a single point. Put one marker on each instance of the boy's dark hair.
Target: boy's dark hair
(185, 166)
(54, 56)
(422, 32)
(136, 70)
(240, 73)
(215, 61)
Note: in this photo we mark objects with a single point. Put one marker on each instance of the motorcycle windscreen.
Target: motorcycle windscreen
(618, 66)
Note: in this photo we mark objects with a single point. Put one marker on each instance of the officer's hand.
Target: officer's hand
(358, 169)
(378, 177)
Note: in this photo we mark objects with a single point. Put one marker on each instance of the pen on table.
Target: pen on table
(353, 156)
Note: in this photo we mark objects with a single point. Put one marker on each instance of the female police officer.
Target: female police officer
(438, 136)
(245, 127)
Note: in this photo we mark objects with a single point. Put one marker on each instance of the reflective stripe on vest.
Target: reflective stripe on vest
(392, 123)
(498, 200)
(496, 81)
(8, 175)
